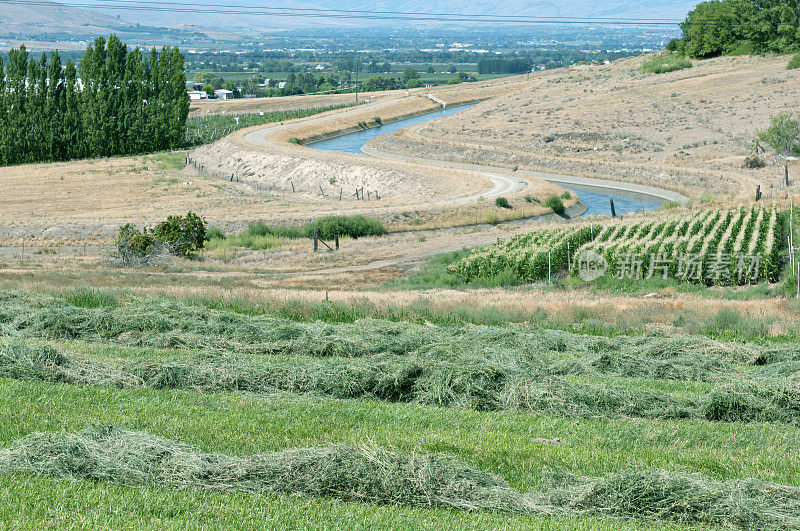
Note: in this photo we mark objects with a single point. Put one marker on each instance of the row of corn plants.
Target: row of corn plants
(713, 246)
(725, 247)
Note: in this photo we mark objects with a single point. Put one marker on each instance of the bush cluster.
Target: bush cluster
(183, 235)
(502, 202)
(662, 64)
(554, 202)
(177, 235)
(353, 226)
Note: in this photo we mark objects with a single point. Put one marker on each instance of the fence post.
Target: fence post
(316, 239)
(613, 212)
(337, 242)
(23, 249)
(786, 173)
(758, 192)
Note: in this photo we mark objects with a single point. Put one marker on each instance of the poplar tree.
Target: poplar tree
(115, 103)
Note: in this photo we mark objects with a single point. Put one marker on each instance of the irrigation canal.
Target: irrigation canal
(595, 198)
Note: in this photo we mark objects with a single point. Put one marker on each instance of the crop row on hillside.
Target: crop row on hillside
(715, 247)
(722, 247)
(531, 256)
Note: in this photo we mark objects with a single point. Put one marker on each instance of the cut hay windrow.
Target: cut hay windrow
(522, 384)
(169, 323)
(372, 475)
(380, 476)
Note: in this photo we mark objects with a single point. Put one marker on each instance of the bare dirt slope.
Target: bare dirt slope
(688, 130)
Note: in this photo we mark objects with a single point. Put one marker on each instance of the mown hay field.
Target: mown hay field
(154, 411)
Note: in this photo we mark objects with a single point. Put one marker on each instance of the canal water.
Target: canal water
(595, 198)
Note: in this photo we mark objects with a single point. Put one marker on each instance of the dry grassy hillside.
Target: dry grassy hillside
(688, 130)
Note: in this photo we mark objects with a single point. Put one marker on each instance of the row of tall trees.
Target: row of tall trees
(498, 65)
(118, 102)
(740, 26)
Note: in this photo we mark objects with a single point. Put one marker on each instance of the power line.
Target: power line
(137, 5)
(381, 12)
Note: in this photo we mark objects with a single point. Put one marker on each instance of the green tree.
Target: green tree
(708, 30)
(783, 134)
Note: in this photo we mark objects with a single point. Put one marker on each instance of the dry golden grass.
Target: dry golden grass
(688, 130)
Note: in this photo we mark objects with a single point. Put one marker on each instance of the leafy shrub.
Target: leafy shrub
(662, 64)
(214, 233)
(502, 202)
(794, 63)
(182, 235)
(134, 247)
(753, 162)
(293, 140)
(674, 45)
(353, 226)
(554, 202)
(566, 195)
(491, 217)
(378, 120)
(259, 228)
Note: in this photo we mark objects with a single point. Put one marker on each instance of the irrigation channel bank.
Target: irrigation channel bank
(595, 193)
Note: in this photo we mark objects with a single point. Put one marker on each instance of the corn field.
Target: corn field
(714, 247)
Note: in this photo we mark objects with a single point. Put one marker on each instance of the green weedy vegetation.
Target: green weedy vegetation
(661, 64)
(555, 203)
(352, 226)
(794, 63)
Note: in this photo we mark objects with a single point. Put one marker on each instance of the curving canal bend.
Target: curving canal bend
(595, 193)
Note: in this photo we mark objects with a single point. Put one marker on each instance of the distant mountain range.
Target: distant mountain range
(54, 21)
(52, 17)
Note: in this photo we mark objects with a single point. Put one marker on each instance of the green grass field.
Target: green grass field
(590, 432)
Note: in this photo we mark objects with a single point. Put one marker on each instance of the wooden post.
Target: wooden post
(758, 192)
(291, 181)
(231, 177)
(786, 173)
(316, 239)
(376, 195)
(337, 242)
(340, 194)
(613, 212)
(368, 194)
